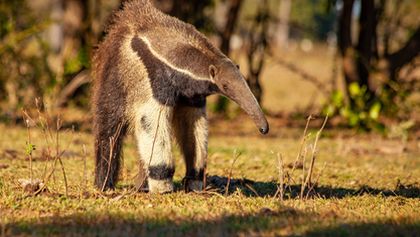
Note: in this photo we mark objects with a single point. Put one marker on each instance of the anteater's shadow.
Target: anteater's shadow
(271, 189)
(251, 188)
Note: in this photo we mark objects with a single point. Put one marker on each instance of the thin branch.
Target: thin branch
(280, 189)
(57, 147)
(302, 143)
(84, 168)
(312, 186)
(302, 187)
(313, 157)
(236, 156)
(79, 80)
(112, 141)
(29, 145)
(303, 74)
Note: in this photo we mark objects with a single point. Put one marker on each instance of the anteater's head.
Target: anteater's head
(231, 83)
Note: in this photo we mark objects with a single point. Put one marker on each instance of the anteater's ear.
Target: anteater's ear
(212, 71)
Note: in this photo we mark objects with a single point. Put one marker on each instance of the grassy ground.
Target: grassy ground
(368, 186)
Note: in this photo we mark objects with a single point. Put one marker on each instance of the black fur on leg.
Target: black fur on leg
(194, 174)
(161, 172)
(108, 154)
(110, 128)
(109, 106)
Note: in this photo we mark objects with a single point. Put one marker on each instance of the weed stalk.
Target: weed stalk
(236, 155)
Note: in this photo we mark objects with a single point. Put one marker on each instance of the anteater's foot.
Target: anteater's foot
(193, 185)
(161, 186)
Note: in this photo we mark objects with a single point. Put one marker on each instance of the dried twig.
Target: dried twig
(313, 158)
(47, 179)
(84, 168)
(29, 146)
(56, 158)
(112, 141)
(302, 188)
(302, 143)
(44, 127)
(280, 189)
(252, 189)
(64, 176)
(312, 186)
(314, 151)
(57, 147)
(209, 192)
(236, 156)
(50, 138)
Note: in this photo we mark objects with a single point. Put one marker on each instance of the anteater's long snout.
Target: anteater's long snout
(239, 92)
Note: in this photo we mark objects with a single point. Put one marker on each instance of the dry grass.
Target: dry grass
(360, 191)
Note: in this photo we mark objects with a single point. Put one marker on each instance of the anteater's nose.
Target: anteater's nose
(264, 130)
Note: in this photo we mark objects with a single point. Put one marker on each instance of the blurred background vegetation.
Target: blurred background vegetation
(357, 61)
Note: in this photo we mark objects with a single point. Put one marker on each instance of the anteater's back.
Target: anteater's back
(166, 35)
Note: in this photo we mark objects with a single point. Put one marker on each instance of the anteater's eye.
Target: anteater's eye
(237, 66)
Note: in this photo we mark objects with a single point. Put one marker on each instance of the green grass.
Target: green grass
(367, 188)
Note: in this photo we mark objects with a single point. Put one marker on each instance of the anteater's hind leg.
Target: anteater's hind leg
(153, 131)
(109, 129)
(191, 132)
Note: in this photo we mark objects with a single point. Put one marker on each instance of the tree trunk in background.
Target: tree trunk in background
(285, 9)
(255, 86)
(365, 44)
(257, 48)
(55, 39)
(232, 18)
(55, 31)
(226, 35)
(11, 89)
(345, 44)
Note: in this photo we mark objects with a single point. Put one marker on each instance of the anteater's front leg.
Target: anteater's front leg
(190, 124)
(153, 132)
(109, 131)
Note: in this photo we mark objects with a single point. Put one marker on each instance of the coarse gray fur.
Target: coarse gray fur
(152, 75)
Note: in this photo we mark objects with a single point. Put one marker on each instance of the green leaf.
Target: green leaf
(30, 148)
(338, 99)
(345, 112)
(330, 110)
(83, 57)
(72, 65)
(362, 115)
(375, 111)
(354, 89)
(353, 119)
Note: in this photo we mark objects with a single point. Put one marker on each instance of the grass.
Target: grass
(369, 187)
(364, 189)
